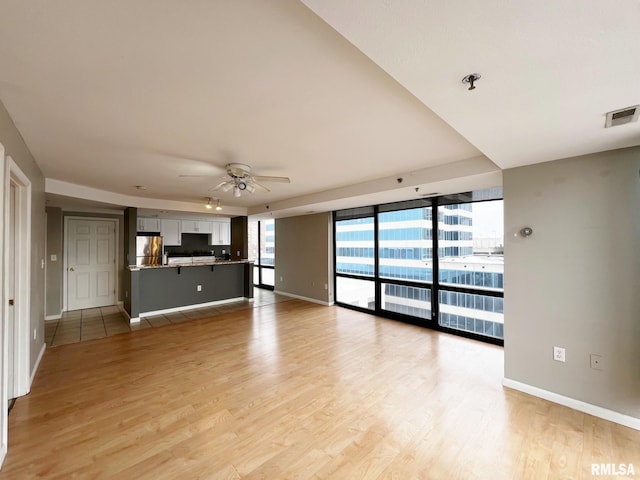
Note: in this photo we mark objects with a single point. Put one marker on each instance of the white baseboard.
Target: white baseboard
(3, 454)
(53, 317)
(596, 411)
(131, 319)
(300, 297)
(35, 367)
(189, 307)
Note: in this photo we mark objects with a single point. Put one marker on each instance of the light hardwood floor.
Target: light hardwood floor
(295, 390)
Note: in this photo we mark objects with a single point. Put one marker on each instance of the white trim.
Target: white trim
(22, 313)
(131, 319)
(185, 307)
(308, 299)
(596, 411)
(53, 317)
(37, 364)
(4, 398)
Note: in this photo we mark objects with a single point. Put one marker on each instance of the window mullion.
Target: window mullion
(435, 256)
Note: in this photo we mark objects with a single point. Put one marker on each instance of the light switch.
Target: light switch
(54, 258)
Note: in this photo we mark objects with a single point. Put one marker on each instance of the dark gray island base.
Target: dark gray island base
(155, 290)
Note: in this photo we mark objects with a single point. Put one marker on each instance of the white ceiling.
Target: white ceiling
(110, 95)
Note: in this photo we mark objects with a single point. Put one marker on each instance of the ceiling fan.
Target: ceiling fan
(239, 178)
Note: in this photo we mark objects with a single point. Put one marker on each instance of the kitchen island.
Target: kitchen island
(185, 285)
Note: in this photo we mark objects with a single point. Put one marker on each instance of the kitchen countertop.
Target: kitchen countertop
(189, 263)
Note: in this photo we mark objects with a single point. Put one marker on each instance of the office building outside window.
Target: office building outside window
(385, 262)
(262, 242)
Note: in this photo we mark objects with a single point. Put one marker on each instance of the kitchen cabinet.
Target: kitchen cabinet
(148, 224)
(221, 234)
(171, 231)
(196, 226)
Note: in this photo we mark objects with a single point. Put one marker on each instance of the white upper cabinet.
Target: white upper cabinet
(221, 233)
(148, 225)
(196, 226)
(171, 231)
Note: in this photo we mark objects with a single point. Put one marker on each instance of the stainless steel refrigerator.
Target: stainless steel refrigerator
(148, 250)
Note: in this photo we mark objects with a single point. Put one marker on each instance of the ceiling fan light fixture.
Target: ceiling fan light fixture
(227, 186)
(218, 206)
(241, 185)
(236, 191)
(250, 188)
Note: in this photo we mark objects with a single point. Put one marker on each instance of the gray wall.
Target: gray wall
(575, 283)
(16, 148)
(54, 269)
(304, 256)
(172, 287)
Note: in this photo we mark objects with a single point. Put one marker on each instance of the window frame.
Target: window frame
(435, 286)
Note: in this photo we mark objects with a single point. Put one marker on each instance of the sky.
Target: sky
(488, 219)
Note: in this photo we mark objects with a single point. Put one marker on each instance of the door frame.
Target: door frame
(4, 396)
(22, 308)
(11, 173)
(65, 246)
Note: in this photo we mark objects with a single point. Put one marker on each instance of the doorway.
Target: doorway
(90, 262)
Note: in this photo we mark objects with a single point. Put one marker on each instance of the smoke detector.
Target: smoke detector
(622, 117)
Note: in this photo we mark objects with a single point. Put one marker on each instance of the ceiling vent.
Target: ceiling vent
(621, 117)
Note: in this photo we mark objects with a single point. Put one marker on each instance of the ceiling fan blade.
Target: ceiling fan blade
(263, 178)
(220, 185)
(198, 175)
(260, 187)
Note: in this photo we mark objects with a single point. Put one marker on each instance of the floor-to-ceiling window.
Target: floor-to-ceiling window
(389, 260)
(354, 230)
(471, 266)
(262, 242)
(405, 246)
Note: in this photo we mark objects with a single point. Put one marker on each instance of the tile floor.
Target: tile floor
(89, 324)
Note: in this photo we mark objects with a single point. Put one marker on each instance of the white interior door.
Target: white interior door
(91, 263)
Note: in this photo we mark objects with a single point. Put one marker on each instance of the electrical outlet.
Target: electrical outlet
(558, 354)
(199, 288)
(596, 361)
